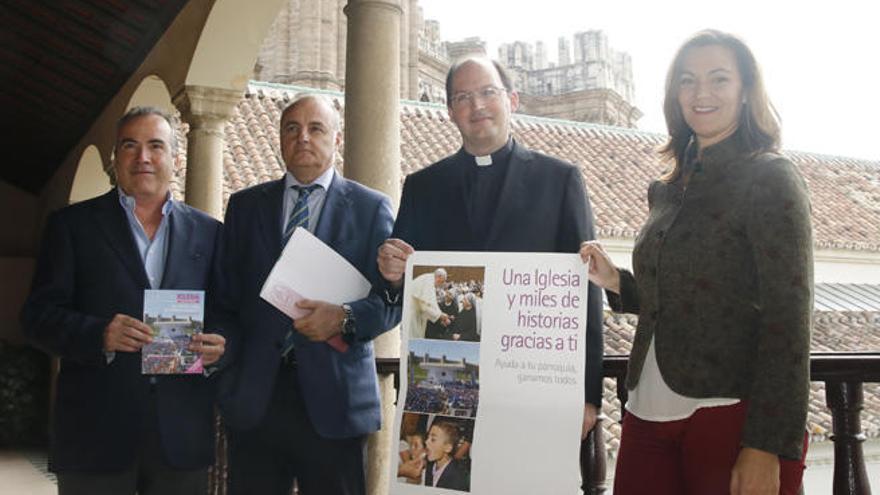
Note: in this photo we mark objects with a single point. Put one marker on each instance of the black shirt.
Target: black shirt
(483, 187)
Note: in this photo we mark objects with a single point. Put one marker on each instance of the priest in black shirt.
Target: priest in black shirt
(495, 195)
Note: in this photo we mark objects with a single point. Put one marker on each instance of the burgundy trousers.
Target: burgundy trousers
(692, 456)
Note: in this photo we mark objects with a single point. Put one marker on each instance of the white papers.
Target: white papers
(309, 269)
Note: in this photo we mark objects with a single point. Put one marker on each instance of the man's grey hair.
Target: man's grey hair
(138, 112)
(337, 118)
(440, 272)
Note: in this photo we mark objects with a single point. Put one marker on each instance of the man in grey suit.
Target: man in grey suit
(513, 199)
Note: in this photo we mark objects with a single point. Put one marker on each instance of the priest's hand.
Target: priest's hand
(392, 260)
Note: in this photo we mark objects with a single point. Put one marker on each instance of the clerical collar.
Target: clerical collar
(499, 155)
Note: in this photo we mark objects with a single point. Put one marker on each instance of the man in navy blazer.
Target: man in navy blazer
(115, 430)
(296, 406)
(496, 195)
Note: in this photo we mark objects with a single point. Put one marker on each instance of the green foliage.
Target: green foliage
(24, 394)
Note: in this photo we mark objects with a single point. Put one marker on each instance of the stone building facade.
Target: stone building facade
(596, 85)
(433, 61)
(306, 46)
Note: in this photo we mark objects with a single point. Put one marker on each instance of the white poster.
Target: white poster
(492, 374)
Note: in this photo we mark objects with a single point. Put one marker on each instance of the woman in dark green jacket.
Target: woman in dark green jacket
(722, 282)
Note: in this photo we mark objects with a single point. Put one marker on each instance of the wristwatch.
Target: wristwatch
(348, 328)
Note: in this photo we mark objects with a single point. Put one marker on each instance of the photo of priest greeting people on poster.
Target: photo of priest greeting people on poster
(447, 303)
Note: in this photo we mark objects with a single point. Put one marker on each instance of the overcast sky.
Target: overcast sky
(821, 59)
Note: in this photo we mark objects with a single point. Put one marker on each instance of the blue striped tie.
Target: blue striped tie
(299, 216)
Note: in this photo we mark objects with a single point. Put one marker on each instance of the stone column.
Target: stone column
(341, 34)
(307, 40)
(372, 157)
(330, 15)
(372, 96)
(206, 110)
(404, 50)
(415, 22)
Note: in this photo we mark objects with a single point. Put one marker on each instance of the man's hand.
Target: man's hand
(209, 345)
(412, 462)
(411, 469)
(324, 321)
(126, 334)
(392, 260)
(756, 472)
(445, 319)
(591, 414)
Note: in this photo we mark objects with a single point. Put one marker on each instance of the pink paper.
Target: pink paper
(196, 367)
(285, 299)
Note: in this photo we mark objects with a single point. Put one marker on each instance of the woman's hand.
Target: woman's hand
(756, 472)
(600, 269)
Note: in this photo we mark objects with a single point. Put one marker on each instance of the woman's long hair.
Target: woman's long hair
(758, 129)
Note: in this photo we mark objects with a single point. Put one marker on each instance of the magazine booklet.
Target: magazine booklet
(174, 316)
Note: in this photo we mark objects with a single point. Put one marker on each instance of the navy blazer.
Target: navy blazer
(89, 270)
(340, 390)
(543, 207)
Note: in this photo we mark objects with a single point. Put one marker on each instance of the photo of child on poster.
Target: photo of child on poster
(435, 451)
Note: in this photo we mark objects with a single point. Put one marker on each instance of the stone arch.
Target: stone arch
(93, 173)
(152, 91)
(91, 177)
(230, 42)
